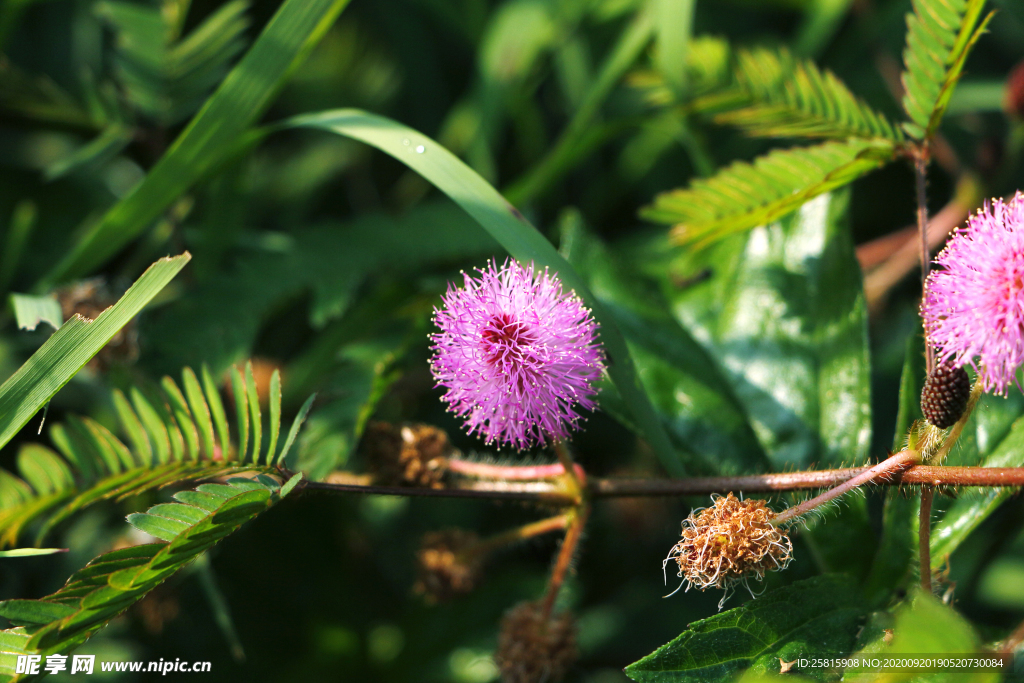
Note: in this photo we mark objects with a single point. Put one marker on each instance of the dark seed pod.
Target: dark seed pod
(945, 394)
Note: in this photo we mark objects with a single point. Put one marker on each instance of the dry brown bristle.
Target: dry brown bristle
(728, 542)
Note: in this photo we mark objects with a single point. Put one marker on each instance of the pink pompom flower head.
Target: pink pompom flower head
(517, 355)
(973, 307)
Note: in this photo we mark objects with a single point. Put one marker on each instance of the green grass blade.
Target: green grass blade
(200, 410)
(481, 201)
(275, 415)
(220, 419)
(211, 136)
(31, 310)
(241, 412)
(254, 409)
(71, 347)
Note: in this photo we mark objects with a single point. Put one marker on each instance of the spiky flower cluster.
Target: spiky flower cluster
(517, 355)
(447, 565)
(973, 307)
(534, 647)
(729, 542)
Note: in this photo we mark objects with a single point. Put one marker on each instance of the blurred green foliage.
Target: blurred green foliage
(134, 129)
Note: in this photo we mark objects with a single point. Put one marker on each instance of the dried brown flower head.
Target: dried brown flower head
(729, 542)
(447, 566)
(534, 647)
(410, 455)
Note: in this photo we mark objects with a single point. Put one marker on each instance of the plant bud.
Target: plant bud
(410, 455)
(445, 569)
(945, 394)
(726, 543)
(535, 649)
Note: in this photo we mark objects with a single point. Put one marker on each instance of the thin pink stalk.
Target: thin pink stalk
(480, 470)
(883, 470)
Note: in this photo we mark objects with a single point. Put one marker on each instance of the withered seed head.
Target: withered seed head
(730, 541)
(532, 649)
(445, 570)
(410, 455)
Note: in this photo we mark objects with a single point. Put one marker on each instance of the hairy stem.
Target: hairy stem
(564, 559)
(883, 470)
(924, 538)
(551, 493)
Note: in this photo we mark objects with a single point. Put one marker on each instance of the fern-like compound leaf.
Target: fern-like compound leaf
(746, 195)
(787, 97)
(113, 582)
(940, 35)
(172, 440)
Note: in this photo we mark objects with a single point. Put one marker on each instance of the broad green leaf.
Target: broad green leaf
(999, 449)
(819, 616)
(940, 35)
(698, 404)
(745, 195)
(783, 313)
(510, 229)
(211, 136)
(30, 310)
(71, 347)
(926, 626)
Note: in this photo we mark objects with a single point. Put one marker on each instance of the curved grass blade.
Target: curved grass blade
(71, 347)
(504, 222)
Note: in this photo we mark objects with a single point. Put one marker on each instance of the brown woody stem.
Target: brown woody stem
(550, 492)
(883, 470)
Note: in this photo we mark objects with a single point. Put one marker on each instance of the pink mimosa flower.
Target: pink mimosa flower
(517, 355)
(973, 307)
